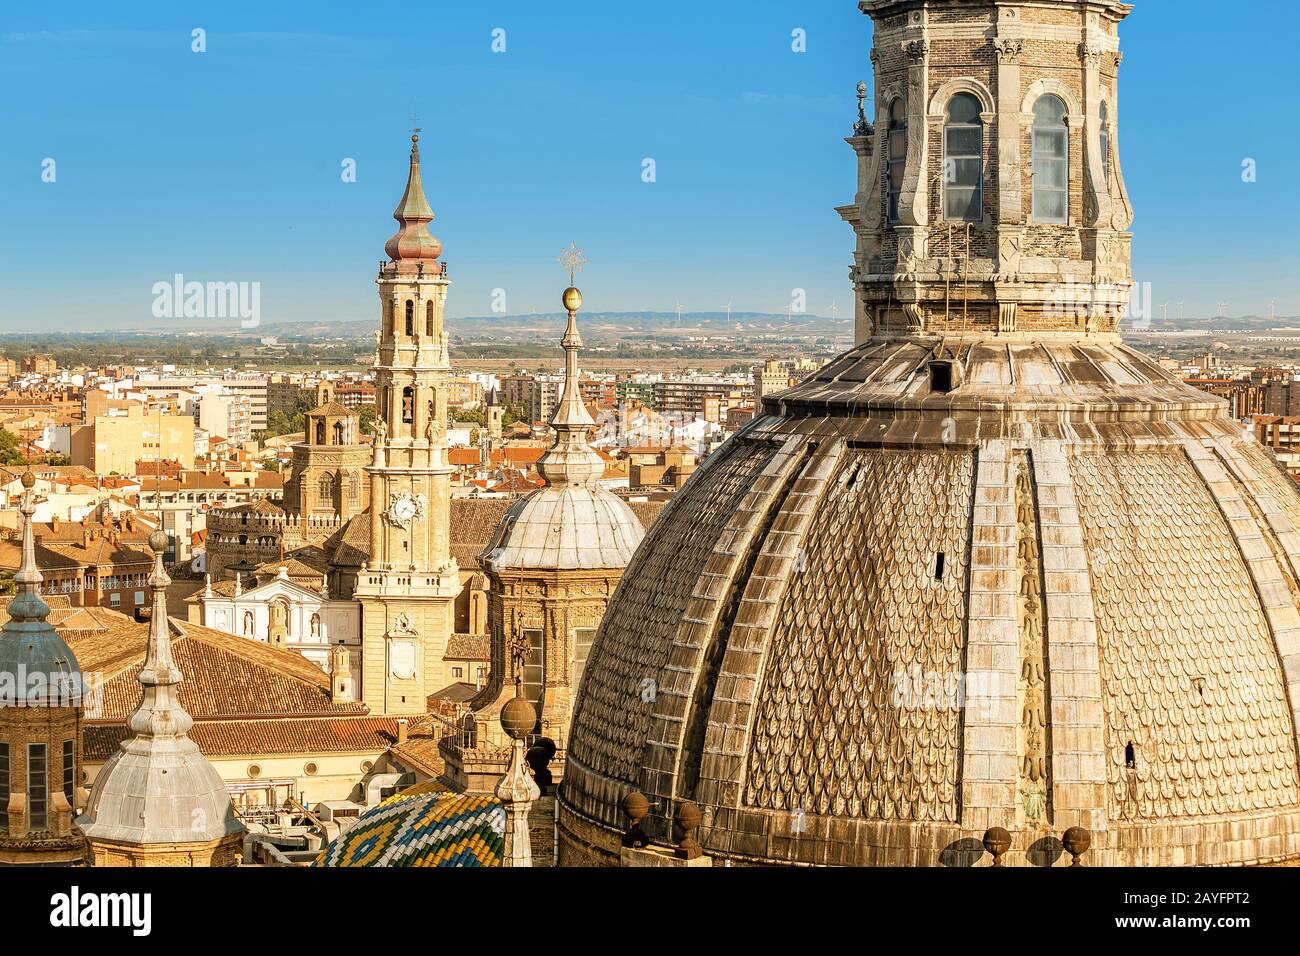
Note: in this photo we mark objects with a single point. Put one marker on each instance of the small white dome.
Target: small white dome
(566, 528)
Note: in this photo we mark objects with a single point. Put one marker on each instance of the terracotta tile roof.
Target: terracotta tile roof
(473, 522)
(468, 647)
(330, 408)
(518, 455)
(464, 456)
(419, 754)
(264, 738)
(225, 676)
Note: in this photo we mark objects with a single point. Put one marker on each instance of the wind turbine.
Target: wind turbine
(1181, 314)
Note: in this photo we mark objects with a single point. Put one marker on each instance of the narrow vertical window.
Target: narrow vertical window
(963, 160)
(534, 675)
(1051, 162)
(38, 787)
(69, 768)
(428, 318)
(1105, 148)
(897, 157)
(408, 405)
(4, 789)
(410, 317)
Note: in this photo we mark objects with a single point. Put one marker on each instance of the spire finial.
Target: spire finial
(412, 248)
(27, 604)
(159, 713)
(570, 461)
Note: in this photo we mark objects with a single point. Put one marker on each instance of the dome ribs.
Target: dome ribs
(719, 720)
(631, 682)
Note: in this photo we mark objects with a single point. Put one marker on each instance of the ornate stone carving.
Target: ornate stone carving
(1032, 688)
(1008, 49)
(1091, 53)
(917, 51)
(405, 508)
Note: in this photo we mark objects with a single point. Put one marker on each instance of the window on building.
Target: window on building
(963, 160)
(458, 672)
(534, 675)
(410, 317)
(320, 433)
(38, 787)
(897, 159)
(428, 318)
(325, 487)
(338, 433)
(582, 638)
(1051, 162)
(1105, 148)
(115, 599)
(4, 788)
(139, 598)
(69, 768)
(408, 405)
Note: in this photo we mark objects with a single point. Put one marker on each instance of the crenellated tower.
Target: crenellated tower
(410, 582)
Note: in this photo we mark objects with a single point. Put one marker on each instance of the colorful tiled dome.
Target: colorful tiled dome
(425, 825)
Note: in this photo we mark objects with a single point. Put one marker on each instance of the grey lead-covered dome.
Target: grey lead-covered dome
(565, 528)
(888, 616)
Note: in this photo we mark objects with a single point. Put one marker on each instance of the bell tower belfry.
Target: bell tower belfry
(408, 587)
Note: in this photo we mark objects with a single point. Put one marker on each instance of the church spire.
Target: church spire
(27, 604)
(570, 460)
(159, 713)
(412, 248)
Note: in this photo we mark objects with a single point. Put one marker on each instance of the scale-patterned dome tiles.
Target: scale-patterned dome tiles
(1196, 720)
(869, 614)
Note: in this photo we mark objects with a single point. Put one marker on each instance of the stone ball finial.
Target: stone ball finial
(158, 541)
(572, 299)
(635, 807)
(518, 718)
(997, 841)
(28, 480)
(1076, 840)
(687, 818)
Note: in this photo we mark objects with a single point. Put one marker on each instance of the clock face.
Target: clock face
(405, 508)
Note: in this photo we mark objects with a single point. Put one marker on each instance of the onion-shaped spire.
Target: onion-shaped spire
(412, 248)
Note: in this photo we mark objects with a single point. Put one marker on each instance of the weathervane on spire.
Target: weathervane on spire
(573, 259)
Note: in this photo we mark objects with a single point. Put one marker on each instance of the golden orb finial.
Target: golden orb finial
(572, 299)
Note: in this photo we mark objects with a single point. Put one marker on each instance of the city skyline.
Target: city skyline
(228, 165)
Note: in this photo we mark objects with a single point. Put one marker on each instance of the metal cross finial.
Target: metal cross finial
(415, 123)
(573, 259)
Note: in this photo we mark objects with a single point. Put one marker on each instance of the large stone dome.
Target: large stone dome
(1089, 549)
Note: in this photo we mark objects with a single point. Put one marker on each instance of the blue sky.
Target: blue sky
(225, 165)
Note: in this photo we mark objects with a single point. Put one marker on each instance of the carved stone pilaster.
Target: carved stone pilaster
(1008, 49)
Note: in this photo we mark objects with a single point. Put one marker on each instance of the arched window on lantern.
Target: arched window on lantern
(410, 317)
(408, 405)
(963, 160)
(339, 431)
(897, 157)
(1051, 162)
(320, 431)
(428, 318)
(1105, 146)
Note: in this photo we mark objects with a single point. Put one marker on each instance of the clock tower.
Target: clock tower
(408, 586)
